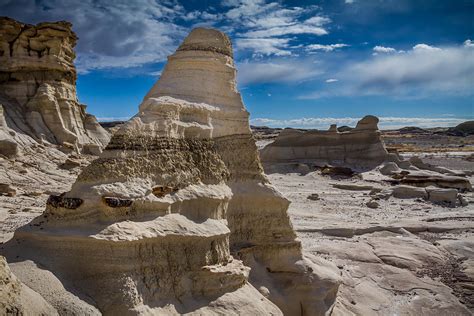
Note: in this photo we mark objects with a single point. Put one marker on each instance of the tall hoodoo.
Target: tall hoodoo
(38, 85)
(175, 199)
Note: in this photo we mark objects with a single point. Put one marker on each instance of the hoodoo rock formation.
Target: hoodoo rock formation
(175, 211)
(359, 147)
(38, 100)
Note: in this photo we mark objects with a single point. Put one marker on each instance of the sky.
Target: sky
(300, 63)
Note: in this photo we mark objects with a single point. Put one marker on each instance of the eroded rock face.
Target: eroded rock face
(359, 147)
(177, 208)
(38, 87)
(18, 299)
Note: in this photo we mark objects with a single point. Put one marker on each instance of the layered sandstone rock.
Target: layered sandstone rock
(174, 212)
(18, 299)
(38, 88)
(359, 147)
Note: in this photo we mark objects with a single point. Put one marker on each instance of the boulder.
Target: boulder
(372, 204)
(409, 192)
(426, 178)
(389, 168)
(443, 196)
(7, 189)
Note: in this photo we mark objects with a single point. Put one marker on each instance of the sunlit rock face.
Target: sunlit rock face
(38, 86)
(360, 147)
(176, 215)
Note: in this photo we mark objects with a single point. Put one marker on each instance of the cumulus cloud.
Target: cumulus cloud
(383, 49)
(468, 43)
(275, 71)
(384, 122)
(421, 72)
(326, 48)
(258, 21)
(423, 47)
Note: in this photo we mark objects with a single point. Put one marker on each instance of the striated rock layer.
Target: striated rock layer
(18, 299)
(38, 88)
(359, 147)
(175, 211)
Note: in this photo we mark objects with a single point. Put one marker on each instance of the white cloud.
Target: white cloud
(423, 47)
(468, 43)
(383, 49)
(287, 30)
(264, 46)
(326, 48)
(275, 71)
(422, 72)
(261, 20)
(384, 122)
(318, 20)
(155, 73)
(331, 80)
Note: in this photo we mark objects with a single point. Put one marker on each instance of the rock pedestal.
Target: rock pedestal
(175, 211)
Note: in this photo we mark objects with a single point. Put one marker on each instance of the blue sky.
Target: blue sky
(300, 63)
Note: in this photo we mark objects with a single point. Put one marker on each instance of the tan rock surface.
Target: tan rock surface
(37, 88)
(360, 147)
(160, 222)
(18, 299)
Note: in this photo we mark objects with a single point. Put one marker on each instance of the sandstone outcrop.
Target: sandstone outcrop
(18, 299)
(359, 147)
(175, 211)
(38, 100)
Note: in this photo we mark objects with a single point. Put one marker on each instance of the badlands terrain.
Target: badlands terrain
(184, 209)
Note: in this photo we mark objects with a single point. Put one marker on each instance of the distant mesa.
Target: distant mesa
(38, 100)
(358, 147)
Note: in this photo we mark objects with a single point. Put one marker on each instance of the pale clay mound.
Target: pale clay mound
(174, 212)
(38, 100)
